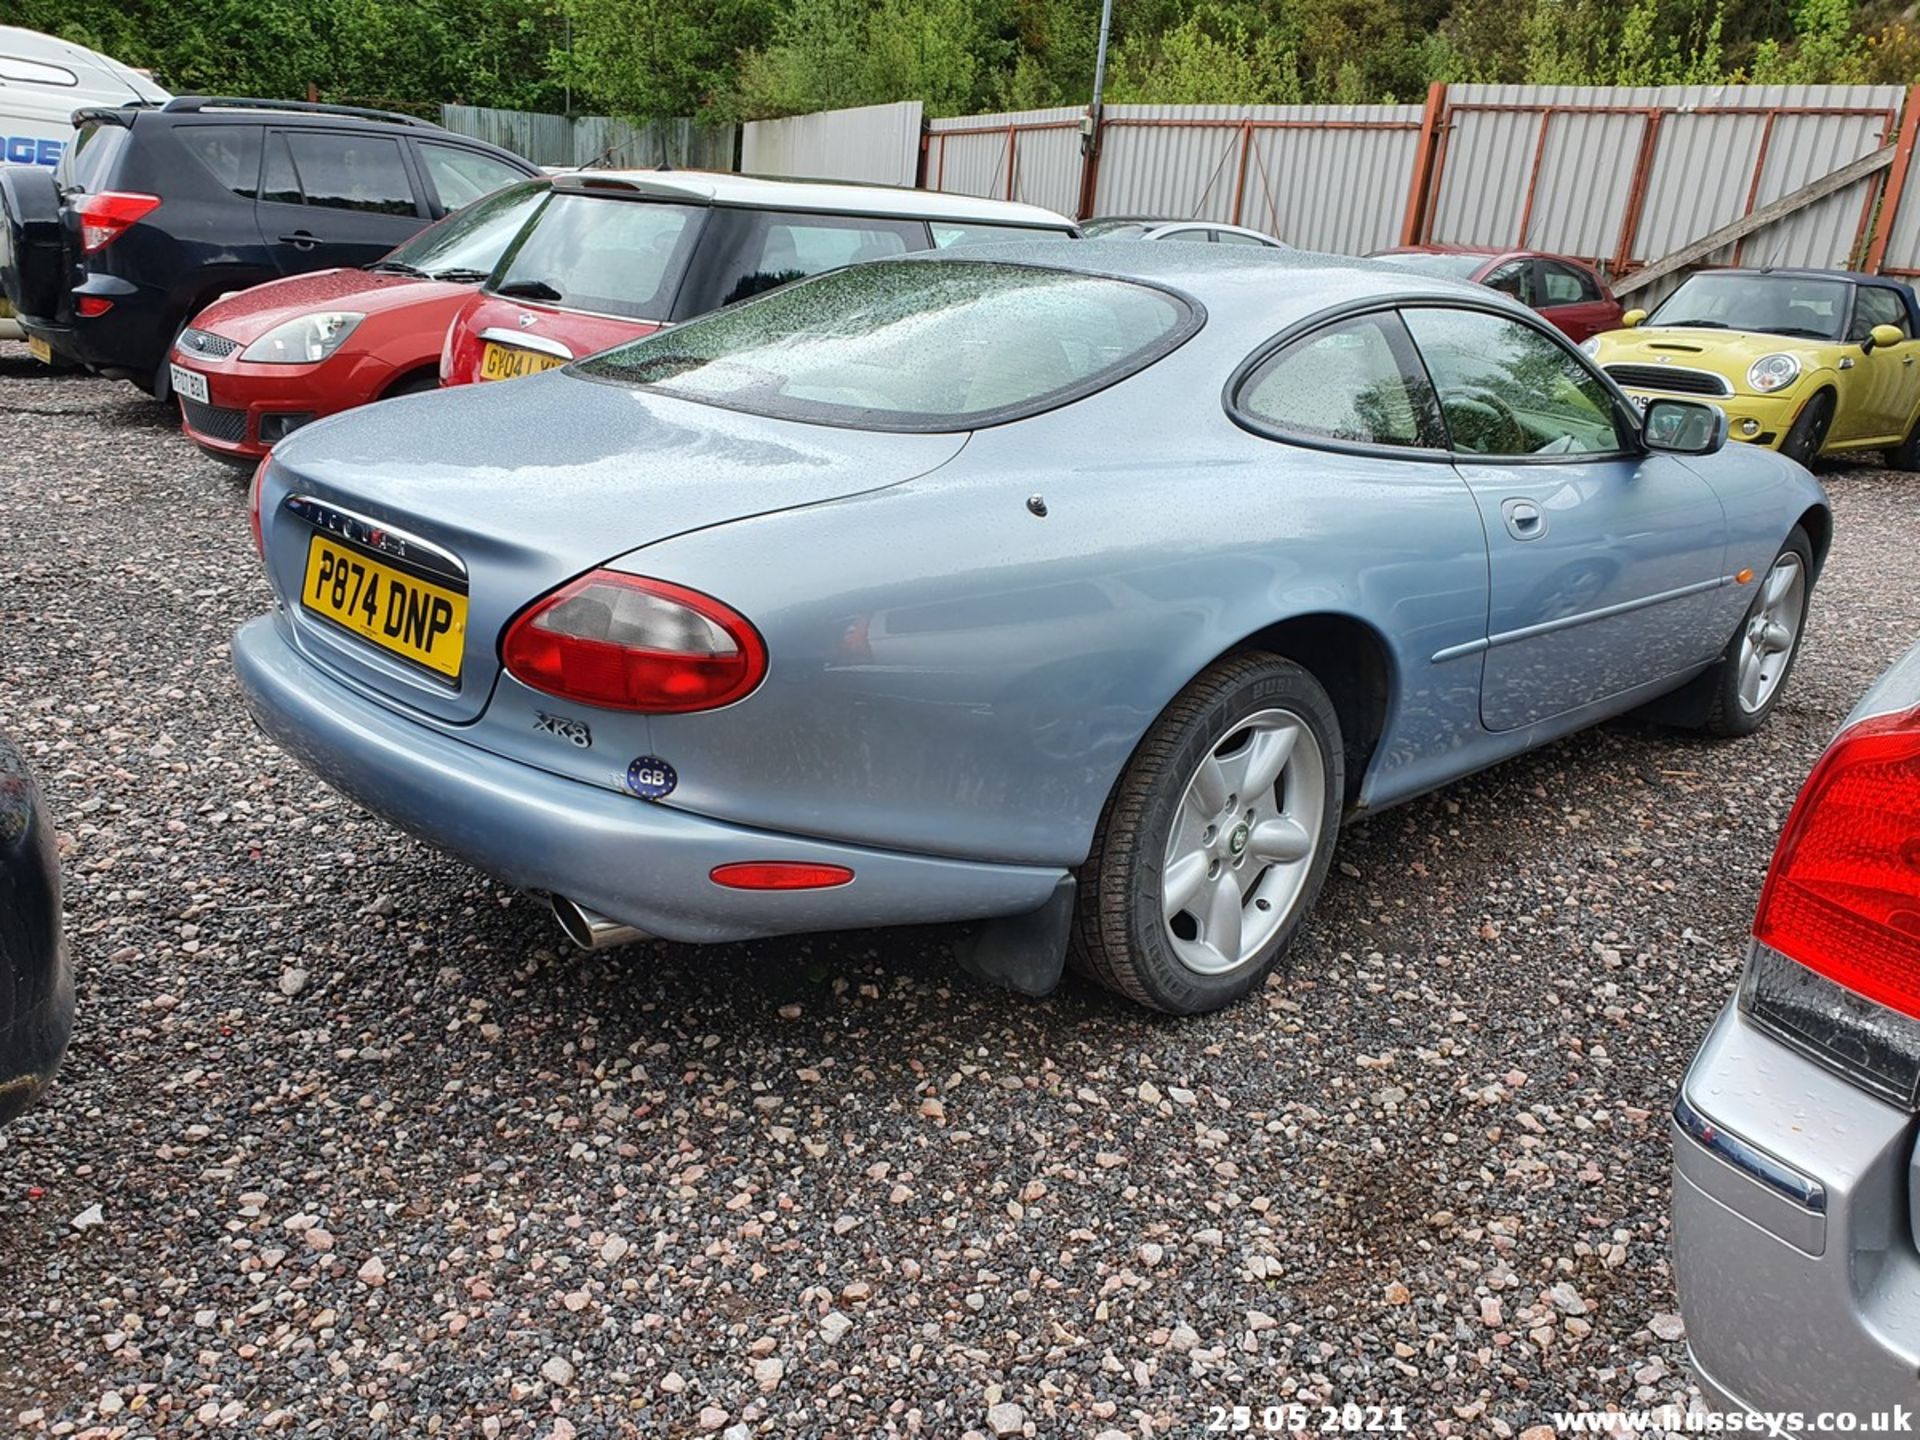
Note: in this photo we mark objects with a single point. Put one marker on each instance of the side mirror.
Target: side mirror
(1632, 318)
(1683, 427)
(1883, 335)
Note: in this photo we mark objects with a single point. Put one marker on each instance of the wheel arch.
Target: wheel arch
(1354, 664)
(401, 379)
(1817, 521)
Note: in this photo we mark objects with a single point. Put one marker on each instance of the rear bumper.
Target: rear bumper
(1792, 1238)
(644, 864)
(129, 340)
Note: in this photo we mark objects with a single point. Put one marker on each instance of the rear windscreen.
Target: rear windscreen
(610, 256)
(912, 345)
(85, 163)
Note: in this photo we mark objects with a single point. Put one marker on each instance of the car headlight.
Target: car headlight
(305, 341)
(1772, 372)
(1590, 347)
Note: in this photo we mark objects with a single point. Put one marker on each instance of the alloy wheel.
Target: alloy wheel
(1766, 644)
(1243, 841)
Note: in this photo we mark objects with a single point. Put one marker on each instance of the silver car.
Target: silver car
(1796, 1214)
(1077, 590)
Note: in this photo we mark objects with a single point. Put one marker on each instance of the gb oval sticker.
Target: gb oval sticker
(651, 778)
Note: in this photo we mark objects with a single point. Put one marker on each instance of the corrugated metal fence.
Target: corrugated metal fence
(879, 144)
(1626, 176)
(1621, 177)
(595, 139)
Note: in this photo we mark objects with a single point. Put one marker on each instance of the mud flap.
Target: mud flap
(1024, 953)
(1687, 707)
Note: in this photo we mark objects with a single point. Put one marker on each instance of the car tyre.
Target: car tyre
(1168, 827)
(1809, 430)
(1906, 455)
(423, 382)
(1752, 674)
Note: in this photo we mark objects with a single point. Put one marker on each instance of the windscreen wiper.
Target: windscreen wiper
(397, 267)
(457, 276)
(528, 290)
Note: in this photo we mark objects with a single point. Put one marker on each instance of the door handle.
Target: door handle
(1524, 519)
(301, 240)
(1906, 359)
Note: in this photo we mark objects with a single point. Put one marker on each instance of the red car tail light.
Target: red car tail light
(623, 642)
(780, 875)
(1843, 895)
(253, 509)
(105, 217)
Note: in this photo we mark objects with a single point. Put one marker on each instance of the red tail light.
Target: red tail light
(627, 643)
(253, 509)
(106, 216)
(1843, 895)
(780, 875)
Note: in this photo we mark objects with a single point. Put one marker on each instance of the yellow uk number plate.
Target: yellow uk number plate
(401, 613)
(39, 349)
(510, 362)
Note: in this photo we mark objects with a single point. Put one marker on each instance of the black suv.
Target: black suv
(156, 211)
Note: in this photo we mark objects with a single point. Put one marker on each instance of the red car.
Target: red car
(256, 365)
(1568, 292)
(614, 256)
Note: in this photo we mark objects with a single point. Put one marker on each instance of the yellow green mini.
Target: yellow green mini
(1806, 362)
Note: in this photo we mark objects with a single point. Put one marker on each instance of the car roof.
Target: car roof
(99, 74)
(1799, 272)
(1269, 288)
(1490, 252)
(713, 187)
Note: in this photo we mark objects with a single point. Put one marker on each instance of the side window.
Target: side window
(36, 72)
(1229, 237)
(1506, 388)
(231, 153)
(349, 171)
(776, 249)
(1511, 279)
(1875, 305)
(461, 176)
(1564, 285)
(1357, 380)
(279, 184)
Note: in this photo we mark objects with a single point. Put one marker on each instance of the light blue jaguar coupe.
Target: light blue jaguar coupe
(1077, 592)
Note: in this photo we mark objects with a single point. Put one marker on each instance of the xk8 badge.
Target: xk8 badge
(574, 732)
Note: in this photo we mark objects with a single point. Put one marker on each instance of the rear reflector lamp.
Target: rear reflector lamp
(623, 642)
(780, 875)
(1843, 896)
(91, 306)
(1842, 900)
(105, 217)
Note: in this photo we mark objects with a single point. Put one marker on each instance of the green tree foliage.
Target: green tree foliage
(730, 59)
(661, 58)
(406, 54)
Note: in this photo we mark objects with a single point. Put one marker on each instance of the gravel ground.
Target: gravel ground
(348, 1144)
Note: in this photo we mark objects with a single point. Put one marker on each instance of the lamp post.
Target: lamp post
(1090, 123)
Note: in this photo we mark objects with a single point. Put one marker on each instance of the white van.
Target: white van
(42, 82)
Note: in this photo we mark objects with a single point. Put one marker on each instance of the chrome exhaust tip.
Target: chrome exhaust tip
(589, 929)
